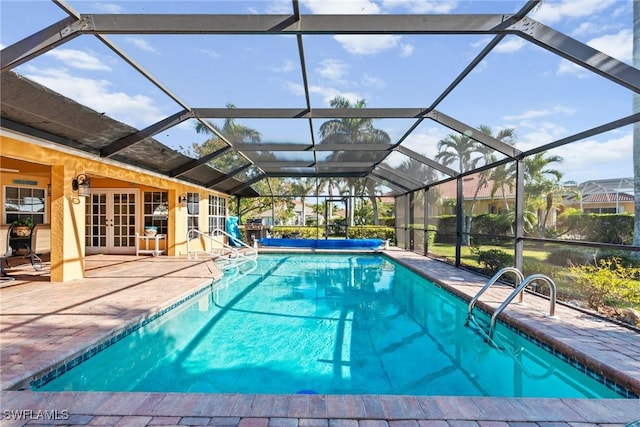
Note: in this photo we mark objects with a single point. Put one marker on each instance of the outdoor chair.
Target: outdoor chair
(40, 244)
(5, 250)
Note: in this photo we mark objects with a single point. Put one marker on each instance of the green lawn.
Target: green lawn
(468, 258)
(535, 261)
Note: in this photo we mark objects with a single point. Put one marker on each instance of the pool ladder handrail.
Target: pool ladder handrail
(233, 251)
(521, 284)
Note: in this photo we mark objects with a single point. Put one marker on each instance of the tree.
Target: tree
(355, 130)
(542, 185)
(234, 133)
(469, 154)
(303, 187)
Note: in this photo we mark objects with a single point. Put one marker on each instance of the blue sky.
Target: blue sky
(518, 85)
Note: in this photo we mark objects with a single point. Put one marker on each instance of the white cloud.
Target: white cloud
(367, 44)
(422, 6)
(510, 44)
(618, 45)
(137, 110)
(372, 81)
(355, 44)
(287, 67)
(326, 92)
(532, 114)
(324, 7)
(209, 53)
(426, 140)
(78, 59)
(406, 50)
(542, 133)
(552, 12)
(333, 70)
(566, 67)
(279, 7)
(108, 7)
(593, 159)
(141, 44)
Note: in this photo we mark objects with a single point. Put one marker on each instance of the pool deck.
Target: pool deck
(44, 323)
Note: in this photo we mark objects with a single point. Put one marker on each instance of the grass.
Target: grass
(468, 258)
(535, 261)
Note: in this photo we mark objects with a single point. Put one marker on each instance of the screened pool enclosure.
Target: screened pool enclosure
(461, 126)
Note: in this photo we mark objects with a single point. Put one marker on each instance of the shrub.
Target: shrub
(607, 282)
(372, 232)
(570, 256)
(603, 228)
(297, 232)
(628, 259)
(494, 259)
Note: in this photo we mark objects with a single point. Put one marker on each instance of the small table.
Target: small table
(146, 239)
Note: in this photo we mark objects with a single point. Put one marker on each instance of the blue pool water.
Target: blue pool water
(338, 324)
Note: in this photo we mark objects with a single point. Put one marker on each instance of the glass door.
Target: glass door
(111, 221)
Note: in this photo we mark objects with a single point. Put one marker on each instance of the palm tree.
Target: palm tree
(502, 178)
(231, 130)
(461, 149)
(234, 133)
(354, 131)
(542, 184)
(303, 187)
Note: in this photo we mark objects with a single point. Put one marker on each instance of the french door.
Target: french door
(111, 216)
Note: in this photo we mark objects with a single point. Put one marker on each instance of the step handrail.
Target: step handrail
(520, 288)
(491, 282)
(234, 252)
(214, 233)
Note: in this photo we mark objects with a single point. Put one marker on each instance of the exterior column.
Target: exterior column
(67, 227)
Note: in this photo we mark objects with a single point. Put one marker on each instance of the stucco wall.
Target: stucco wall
(55, 168)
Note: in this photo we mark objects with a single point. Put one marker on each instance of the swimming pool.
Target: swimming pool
(338, 324)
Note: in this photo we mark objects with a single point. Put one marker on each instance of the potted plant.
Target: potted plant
(150, 230)
(22, 227)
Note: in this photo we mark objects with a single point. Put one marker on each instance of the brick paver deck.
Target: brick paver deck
(44, 323)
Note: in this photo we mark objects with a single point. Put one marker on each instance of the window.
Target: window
(193, 211)
(23, 202)
(156, 210)
(217, 213)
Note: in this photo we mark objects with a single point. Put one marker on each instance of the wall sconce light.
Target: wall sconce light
(182, 199)
(81, 185)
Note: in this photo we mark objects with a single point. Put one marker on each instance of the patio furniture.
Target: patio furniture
(5, 250)
(40, 244)
(147, 250)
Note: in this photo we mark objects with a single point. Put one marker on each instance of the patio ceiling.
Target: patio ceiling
(237, 165)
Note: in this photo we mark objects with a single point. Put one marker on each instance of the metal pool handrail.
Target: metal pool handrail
(491, 282)
(233, 251)
(520, 288)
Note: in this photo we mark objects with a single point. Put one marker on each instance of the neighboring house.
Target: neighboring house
(485, 201)
(602, 196)
(594, 196)
(268, 216)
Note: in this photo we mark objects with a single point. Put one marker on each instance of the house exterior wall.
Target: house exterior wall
(54, 169)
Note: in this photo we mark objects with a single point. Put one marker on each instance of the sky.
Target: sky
(518, 85)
